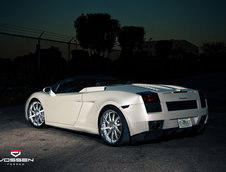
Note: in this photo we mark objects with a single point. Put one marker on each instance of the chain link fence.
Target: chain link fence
(29, 59)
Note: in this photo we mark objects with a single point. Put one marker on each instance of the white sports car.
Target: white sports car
(118, 113)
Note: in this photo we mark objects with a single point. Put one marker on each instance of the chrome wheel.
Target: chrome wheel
(111, 126)
(36, 114)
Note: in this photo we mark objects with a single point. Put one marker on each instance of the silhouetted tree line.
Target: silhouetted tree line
(98, 34)
(212, 56)
(20, 77)
(93, 32)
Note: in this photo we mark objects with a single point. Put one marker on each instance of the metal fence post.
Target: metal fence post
(69, 49)
(38, 48)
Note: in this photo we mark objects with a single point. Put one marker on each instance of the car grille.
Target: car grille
(181, 105)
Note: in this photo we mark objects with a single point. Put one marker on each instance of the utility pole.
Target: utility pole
(69, 49)
(38, 53)
(38, 48)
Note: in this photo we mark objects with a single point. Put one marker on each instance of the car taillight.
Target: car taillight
(151, 101)
(150, 98)
(202, 99)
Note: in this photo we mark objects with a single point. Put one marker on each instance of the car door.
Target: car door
(63, 108)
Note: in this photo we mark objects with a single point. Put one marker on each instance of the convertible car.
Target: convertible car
(118, 112)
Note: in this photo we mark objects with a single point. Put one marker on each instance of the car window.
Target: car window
(70, 86)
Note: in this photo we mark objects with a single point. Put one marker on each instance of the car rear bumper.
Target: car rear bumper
(163, 134)
(138, 119)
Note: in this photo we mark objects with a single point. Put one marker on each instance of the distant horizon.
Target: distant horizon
(31, 47)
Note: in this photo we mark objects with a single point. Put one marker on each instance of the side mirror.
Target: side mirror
(49, 91)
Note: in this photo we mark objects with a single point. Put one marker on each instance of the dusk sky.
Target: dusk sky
(196, 21)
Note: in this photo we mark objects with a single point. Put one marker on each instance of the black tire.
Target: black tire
(35, 113)
(198, 130)
(201, 129)
(113, 126)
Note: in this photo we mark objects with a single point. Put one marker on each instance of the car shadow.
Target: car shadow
(97, 138)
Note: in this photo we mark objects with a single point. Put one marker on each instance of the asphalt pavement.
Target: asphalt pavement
(54, 149)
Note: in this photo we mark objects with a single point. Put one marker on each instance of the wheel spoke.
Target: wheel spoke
(113, 117)
(116, 129)
(116, 120)
(109, 132)
(106, 120)
(116, 135)
(109, 117)
(42, 115)
(41, 118)
(119, 124)
(112, 135)
(105, 128)
(36, 121)
(31, 116)
(36, 106)
(33, 107)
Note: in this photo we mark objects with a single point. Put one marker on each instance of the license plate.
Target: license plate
(184, 123)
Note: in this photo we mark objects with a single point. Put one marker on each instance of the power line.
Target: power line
(36, 38)
(21, 27)
(31, 32)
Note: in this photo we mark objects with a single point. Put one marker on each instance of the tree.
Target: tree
(213, 49)
(131, 38)
(96, 32)
(213, 55)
